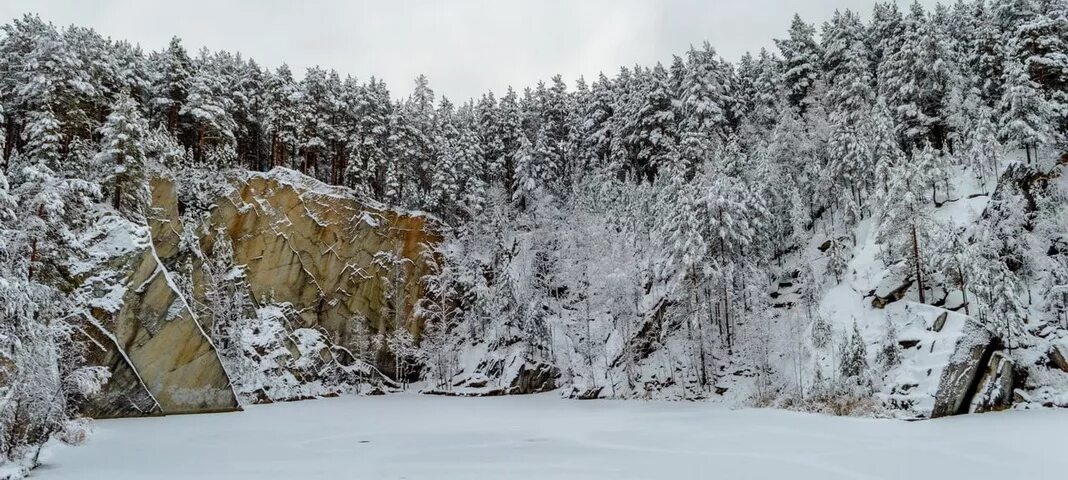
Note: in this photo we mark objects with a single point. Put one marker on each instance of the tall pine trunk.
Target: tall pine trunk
(916, 258)
(33, 247)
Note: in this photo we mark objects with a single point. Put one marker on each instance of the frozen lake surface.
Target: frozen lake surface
(543, 437)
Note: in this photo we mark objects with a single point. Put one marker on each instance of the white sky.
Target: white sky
(464, 46)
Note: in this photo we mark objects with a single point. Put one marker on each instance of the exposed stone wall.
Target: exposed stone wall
(328, 255)
(333, 259)
(161, 359)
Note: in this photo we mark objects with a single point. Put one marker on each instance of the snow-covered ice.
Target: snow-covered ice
(544, 437)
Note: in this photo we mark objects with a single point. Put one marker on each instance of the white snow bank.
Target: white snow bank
(544, 437)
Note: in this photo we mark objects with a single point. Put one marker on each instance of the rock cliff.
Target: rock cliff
(344, 267)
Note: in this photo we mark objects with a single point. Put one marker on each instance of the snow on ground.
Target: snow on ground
(544, 437)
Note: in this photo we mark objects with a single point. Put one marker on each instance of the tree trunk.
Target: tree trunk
(200, 143)
(116, 199)
(916, 258)
(963, 291)
(172, 119)
(700, 329)
(727, 317)
(11, 137)
(33, 247)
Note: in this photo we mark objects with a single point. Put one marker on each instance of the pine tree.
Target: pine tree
(123, 153)
(889, 354)
(981, 148)
(906, 223)
(530, 172)
(283, 118)
(841, 39)
(208, 109)
(916, 80)
(170, 83)
(472, 169)
(1026, 116)
(704, 123)
(654, 141)
(852, 164)
(801, 58)
(854, 362)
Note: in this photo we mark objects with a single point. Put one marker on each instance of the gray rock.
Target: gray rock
(534, 378)
(995, 386)
(940, 322)
(1058, 356)
(961, 376)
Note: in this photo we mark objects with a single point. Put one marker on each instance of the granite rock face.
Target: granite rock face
(161, 358)
(331, 258)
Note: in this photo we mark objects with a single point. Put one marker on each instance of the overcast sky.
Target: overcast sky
(465, 46)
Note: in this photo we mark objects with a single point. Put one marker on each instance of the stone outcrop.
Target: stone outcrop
(317, 248)
(533, 377)
(882, 300)
(331, 258)
(963, 375)
(995, 387)
(161, 358)
(1058, 356)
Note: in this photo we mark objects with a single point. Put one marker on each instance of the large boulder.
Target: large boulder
(995, 387)
(962, 374)
(1058, 356)
(533, 377)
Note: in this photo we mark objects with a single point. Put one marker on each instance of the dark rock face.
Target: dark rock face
(534, 378)
(961, 378)
(881, 301)
(591, 393)
(995, 386)
(1058, 357)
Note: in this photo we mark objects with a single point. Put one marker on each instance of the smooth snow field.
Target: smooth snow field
(545, 437)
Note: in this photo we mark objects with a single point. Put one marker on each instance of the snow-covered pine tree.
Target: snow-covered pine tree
(906, 204)
(852, 164)
(207, 108)
(654, 142)
(801, 59)
(889, 354)
(853, 365)
(1026, 116)
(123, 154)
(170, 84)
